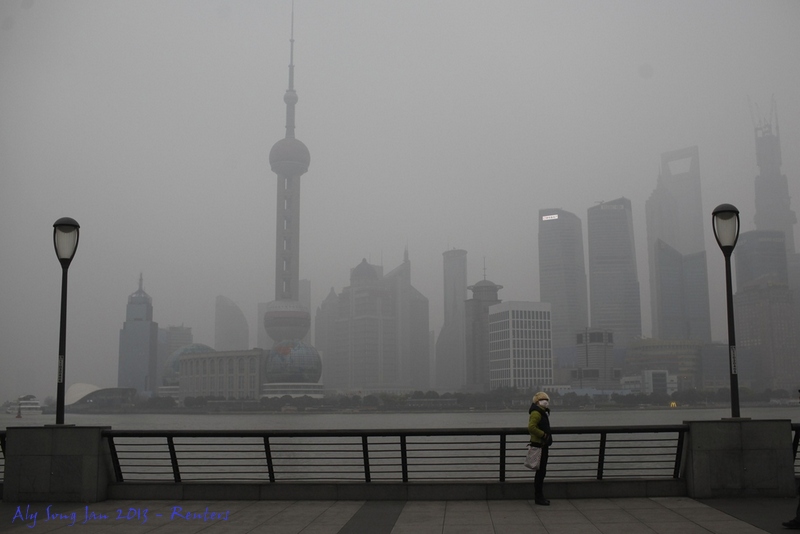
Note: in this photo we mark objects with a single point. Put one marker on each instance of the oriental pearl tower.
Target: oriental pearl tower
(286, 320)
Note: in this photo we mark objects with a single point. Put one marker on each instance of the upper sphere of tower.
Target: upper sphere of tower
(289, 156)
(290, 97)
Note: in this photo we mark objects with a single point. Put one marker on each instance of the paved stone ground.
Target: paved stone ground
(669, 515)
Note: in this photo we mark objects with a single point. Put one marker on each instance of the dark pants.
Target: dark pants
(538, 481)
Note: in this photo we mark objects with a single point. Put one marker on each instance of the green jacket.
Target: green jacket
(536, 427)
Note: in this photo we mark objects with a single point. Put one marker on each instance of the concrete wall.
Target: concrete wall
(740, 458)
(727, 458)
(56, 463)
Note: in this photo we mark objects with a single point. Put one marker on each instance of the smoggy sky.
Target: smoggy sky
(431, 125)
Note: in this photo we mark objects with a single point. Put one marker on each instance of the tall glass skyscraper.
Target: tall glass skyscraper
(451, 343)
(562, 279)
(676, 250)
(613, 277)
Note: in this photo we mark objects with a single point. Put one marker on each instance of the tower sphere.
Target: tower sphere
(293, 361)
(290, 97)
(289, 157)
(286, 320)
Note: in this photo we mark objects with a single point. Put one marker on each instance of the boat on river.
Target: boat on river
(26, 405)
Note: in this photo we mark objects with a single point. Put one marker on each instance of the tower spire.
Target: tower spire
(141, 282)
(291, 96)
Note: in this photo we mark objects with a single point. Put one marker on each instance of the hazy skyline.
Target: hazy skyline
(431, 125)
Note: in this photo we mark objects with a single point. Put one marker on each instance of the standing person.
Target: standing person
(539, 429)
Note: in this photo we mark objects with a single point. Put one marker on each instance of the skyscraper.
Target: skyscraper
(376, 332)
(773, 209)
(451, 343)
(231, 331)
(760, 258)
(613, 277)
(765, 311)
(676, 250)
(476, 309)
(562, 279)
(138, 344)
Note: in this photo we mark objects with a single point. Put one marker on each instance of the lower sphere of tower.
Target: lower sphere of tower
(292, 361)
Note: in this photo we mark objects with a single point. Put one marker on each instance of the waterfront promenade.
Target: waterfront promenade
(668, 515)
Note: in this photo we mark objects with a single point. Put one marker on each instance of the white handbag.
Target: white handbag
(533, 457)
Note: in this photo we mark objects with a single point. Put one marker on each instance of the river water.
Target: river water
(392, 420)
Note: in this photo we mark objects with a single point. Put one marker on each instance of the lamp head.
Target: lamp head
(725, 218)
(66, 231)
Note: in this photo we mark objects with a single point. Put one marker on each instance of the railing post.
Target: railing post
(174, 459)
(268, 452)
(676, 473)
(502, 457)
(115, 459)
(601, 455)
(404, 458)
(365, 454)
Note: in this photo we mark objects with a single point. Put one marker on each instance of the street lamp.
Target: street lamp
(65, 239)
(726, 231)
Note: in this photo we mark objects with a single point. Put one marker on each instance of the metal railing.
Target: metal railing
(448, 455)
(3, 450)
(402, 455)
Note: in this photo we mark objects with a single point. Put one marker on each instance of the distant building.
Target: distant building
(227, 374)
(772, 199)
(715, 368)
(378, 340)
(613, 277)
(681, 358)
(304, 297)
(325, 325)
(595, 361)
(451, 343)
(231, 331)
(765, 311)
(263, 341)
(562, 279)
(484, 296)
(767, 301)
(676, 250)
(520, 350)
(138, 344)
(651, 381)
(93, 399)
(170, 339)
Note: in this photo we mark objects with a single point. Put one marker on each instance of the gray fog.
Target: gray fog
(431, 125)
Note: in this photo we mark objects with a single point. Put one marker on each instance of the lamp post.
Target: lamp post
(725, 219)
(65, 239)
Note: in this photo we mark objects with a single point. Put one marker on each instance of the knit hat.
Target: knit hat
(540, 396)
